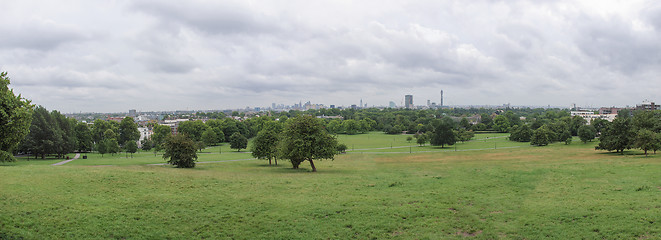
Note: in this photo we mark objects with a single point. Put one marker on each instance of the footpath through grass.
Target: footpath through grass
(560, 191)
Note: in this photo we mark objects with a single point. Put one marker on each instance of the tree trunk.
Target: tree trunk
(276, 161)
(269, 161)
(645, 152)
(312, 165)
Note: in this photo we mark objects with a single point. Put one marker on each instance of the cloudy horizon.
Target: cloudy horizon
(111, 56)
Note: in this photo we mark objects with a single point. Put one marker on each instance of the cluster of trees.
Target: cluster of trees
(15, 118)
(210, 133)
(52, 133)
(112, 137)
(397, 121)
(299, 139)
(642, 131)
(444, 131)
(554, 127)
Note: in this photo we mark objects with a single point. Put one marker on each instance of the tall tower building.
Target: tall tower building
(361, 103)
(408, 101)
(441, 98)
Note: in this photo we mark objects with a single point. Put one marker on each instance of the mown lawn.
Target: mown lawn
(559, 191)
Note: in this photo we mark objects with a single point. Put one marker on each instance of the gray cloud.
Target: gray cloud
(213, 55)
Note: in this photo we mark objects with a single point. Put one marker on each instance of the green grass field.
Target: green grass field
(520, 192)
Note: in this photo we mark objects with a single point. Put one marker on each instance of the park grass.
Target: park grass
(558, 191)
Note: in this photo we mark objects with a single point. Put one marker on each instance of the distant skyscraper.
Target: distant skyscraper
(408, 101)
(428, 102)
(132, 112)
(361, 103)
(272, 105)
(392, 104)
(441, 98)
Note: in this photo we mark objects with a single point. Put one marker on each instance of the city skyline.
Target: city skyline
(82, 56)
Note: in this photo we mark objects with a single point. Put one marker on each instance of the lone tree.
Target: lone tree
(238, 141)
(265, 145)
(443, 133)
(15, 119)
(180, 150)
(305, 139)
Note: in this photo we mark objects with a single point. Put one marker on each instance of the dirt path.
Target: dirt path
(66, 161)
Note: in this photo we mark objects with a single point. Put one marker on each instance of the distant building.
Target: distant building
(589, 116)
(332, 106)
(144, 134)
(330, 117)
(116, 119)
(133, 113)
(392, 104)
(648, 106)
(609, 110)
(408, 101)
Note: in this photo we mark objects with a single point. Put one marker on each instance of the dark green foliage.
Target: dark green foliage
(44, 136)
(193, 129)
(112, 145)
(521, 133)
(443, 133)
(464, 123)
(479, 127)
(618, 135)
(102, 147)
(576, 123)
(265, 145)
(180, 151)
(84, 141)
(131, 147)
(128, 130)
(15, 119)
(501, 124)
(305, 139)
(334, 126)
(587, 133)
(161, 133)
(200, 145)
(464, 135)
(599, 125)
(209, 137)
(99, 128)
(238, 141)
(147, 144)
(351, 126)
(646, 140)
(397, 129)
(565, 137)
(422, 139)
(341, 148)
(67, 132)
(542, 136)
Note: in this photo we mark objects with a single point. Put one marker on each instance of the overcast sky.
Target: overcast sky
(111, 56)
